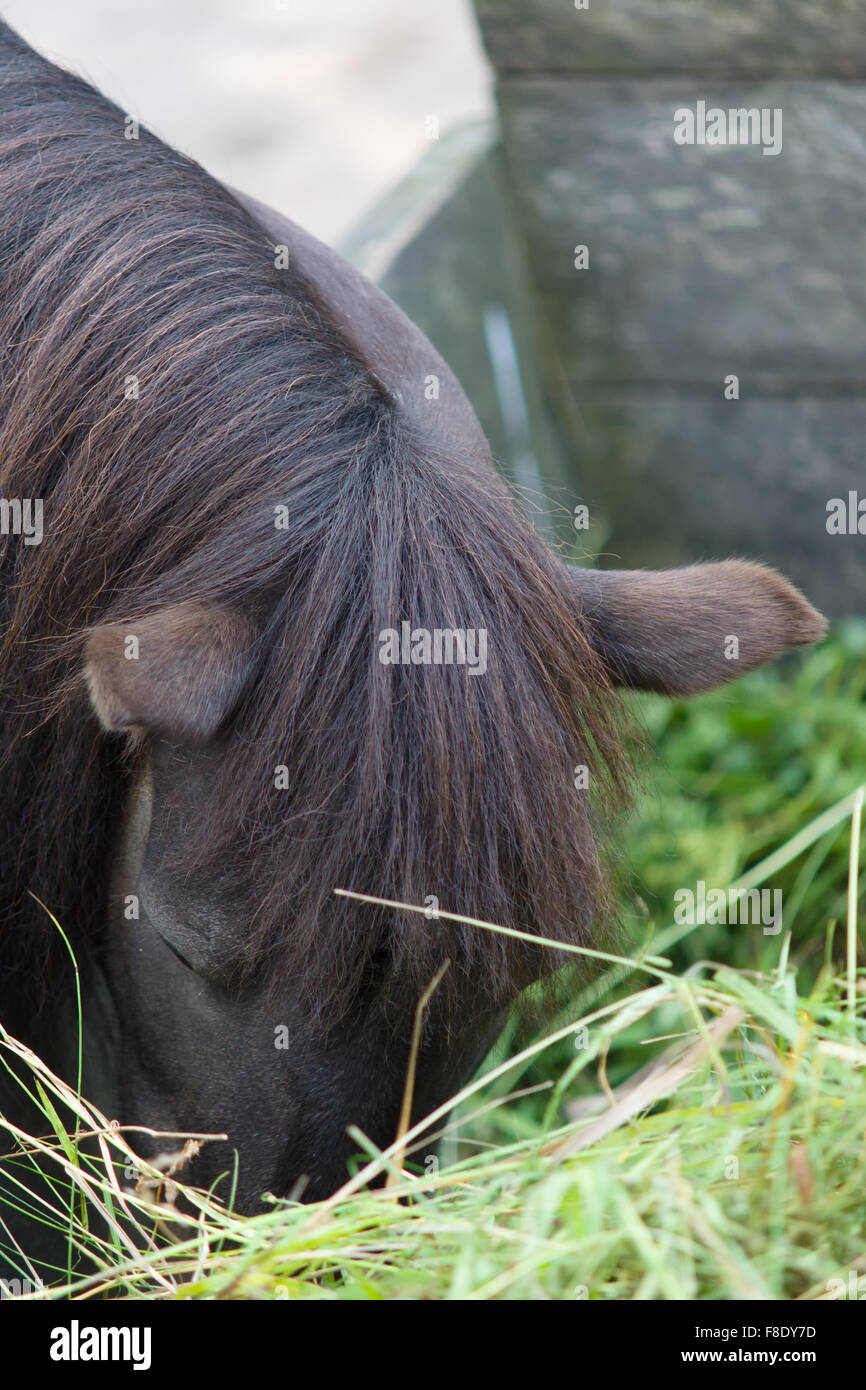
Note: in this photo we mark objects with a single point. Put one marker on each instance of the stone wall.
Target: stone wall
(705, 262)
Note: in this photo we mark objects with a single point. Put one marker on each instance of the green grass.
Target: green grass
(736, 1171)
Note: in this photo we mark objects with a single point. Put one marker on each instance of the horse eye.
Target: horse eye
(176, 953)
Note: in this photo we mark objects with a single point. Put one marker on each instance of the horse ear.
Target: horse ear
(181, 670)
(682, 631)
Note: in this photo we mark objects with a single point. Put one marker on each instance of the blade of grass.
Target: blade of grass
(853, 885)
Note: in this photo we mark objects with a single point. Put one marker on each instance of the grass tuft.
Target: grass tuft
(691, 1126)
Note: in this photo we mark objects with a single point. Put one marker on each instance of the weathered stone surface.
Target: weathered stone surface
(822, 37)
(704, 260)
(683, 478)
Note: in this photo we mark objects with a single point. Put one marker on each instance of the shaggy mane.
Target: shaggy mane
(120, 262)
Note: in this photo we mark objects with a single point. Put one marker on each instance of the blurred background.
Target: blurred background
(314, 106)
(671, 336)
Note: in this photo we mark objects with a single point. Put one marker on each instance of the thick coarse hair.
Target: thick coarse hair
(164, 388)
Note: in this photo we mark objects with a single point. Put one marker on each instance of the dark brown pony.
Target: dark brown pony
(251, 468)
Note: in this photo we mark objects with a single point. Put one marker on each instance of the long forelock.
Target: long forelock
(165, 389)
(419, 784)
